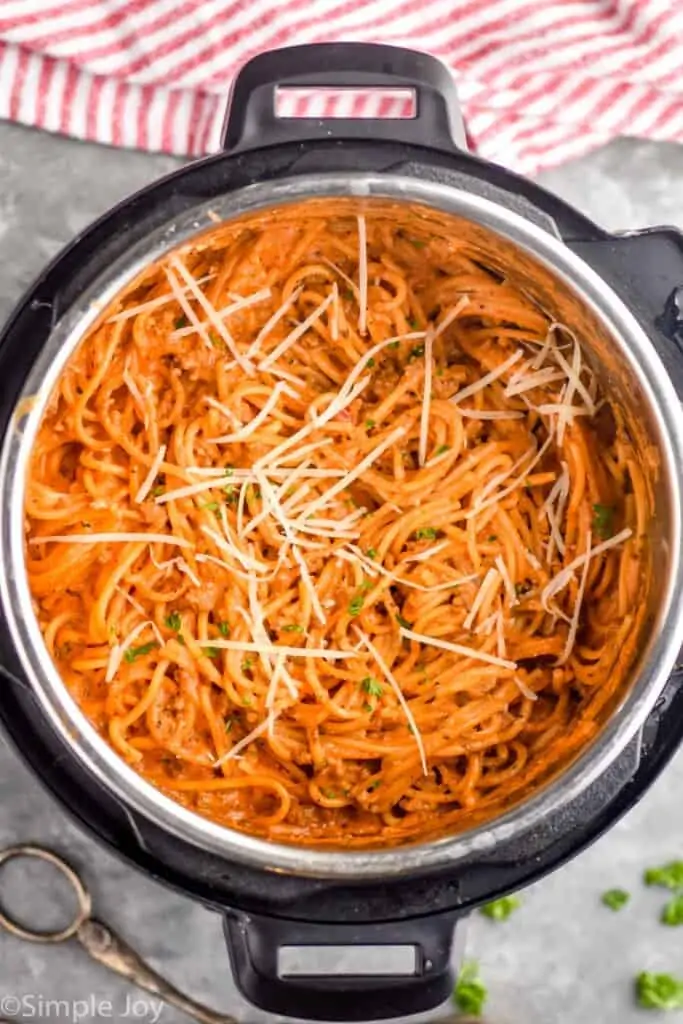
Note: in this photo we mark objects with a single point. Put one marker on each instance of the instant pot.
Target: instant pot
(619, 292)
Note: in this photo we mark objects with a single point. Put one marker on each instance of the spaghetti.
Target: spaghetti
(332, 533)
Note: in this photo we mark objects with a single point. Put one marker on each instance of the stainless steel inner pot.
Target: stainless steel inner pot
(568, 290)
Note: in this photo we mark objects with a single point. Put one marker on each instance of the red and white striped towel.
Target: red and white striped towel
(539, 80)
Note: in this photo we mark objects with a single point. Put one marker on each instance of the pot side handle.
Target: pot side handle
(255, 944)
(252, 121)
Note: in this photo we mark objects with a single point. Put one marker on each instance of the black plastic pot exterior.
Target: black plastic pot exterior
(265, 911)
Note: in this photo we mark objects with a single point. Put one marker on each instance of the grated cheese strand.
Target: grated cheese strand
(574, 624)
(490, 581)
(118, 650)
(466, 652)
(353, 474)
(562, 578)
(488, 378)
(234, 307)
(331, 654)
(214, 319)
(452, 315)
(244, 432)
(249, 738)
(146, 484)
(393, 683)
(161, 300)
(499, 562)
(294, 335)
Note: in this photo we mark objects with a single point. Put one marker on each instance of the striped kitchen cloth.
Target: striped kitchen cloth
(540, 81)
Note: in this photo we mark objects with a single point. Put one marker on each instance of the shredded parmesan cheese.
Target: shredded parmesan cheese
(562, 578)
(393, 683)
(146, 485)
(294, 335)
(328, 653)
(466, 652)
(488, 378)
(234, 307)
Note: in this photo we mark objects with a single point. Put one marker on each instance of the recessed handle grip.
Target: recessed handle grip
(255, 945)
(252, 121)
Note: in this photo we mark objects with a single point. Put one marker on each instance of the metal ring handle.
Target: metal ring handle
(82, 895)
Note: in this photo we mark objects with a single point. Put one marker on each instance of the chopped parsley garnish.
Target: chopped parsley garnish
(329, 794)
(223, 628)
(156, 491)
(246, 699)
(368, 708)
(210, 506)
(180, 322)
(228, 471)
(416, 351)
(371, 687)
(443, 448)
(603, 521)
(418, 243)
(500, 910)
(86, 525)
(673, 911)
(404, 622)
(212, 652)
(133, 653)
(230, 494)
(659, 991)
(615, 899)
(292, 627)
(181, 639)
(247, 664)
(374, 785)
(369, 424)
(356, 604)
(412, 322)
(370, 363)
(371, 553)
(470, 992)
(426, 533)
(173, 621)
(669, 876)
(216, 341)
(365, 586)
(492, 538)
(347, 294)
(394, 344)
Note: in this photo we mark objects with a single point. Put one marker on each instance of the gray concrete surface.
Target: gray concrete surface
(563, 958)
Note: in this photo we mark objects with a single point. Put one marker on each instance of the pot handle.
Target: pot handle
(256, 944)
(252, 121)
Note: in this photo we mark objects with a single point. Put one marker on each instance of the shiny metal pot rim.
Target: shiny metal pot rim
(92, 750)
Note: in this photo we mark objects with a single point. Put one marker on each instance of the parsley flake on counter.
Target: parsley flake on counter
(669, 876)
(673, 912)
(659, 991)
(500, 910)
(470, 994)
(615, 899)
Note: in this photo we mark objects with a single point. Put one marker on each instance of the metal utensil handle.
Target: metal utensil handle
(109, 949)
(252, 122)
(255, 942)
